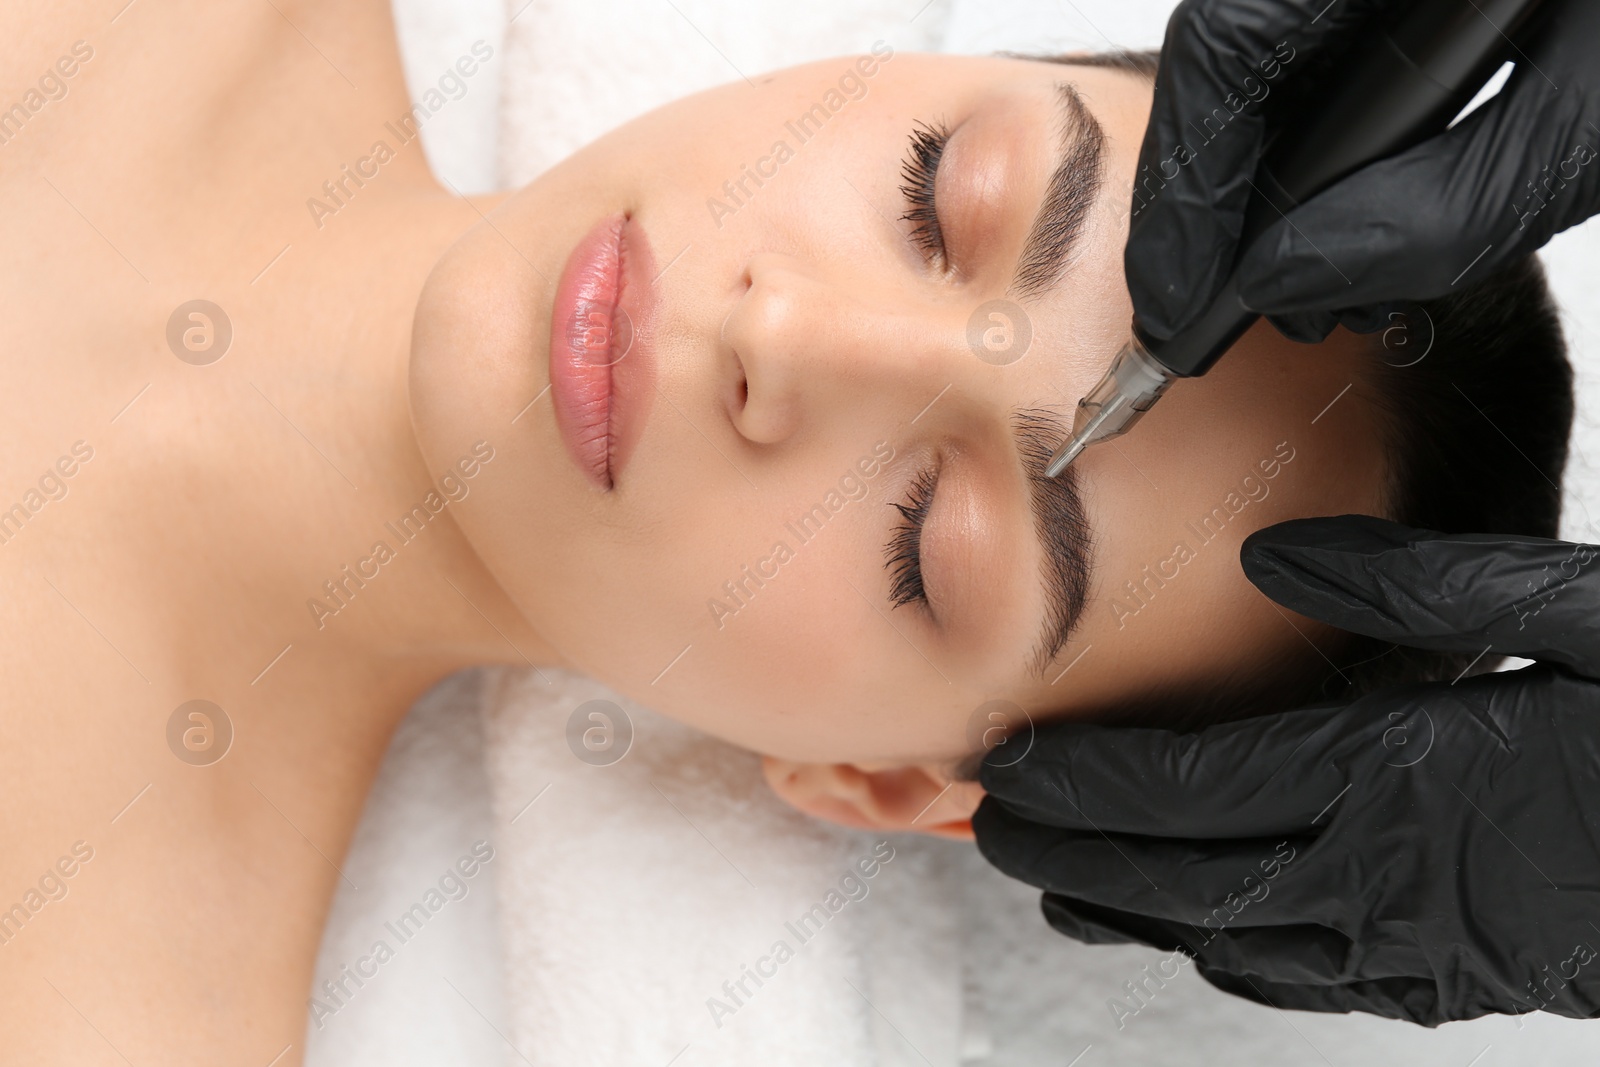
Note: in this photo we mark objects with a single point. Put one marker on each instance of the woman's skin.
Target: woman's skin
(786, 342)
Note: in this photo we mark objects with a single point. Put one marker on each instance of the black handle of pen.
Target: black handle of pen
(1399, 90)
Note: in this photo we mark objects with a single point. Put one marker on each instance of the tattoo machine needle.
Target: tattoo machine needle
(1402, 88)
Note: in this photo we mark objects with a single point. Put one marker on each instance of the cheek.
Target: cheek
(774, 634)
(772, 651)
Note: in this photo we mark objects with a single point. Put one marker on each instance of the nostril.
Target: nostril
(739, 394)
(763, 337)
(737, 391)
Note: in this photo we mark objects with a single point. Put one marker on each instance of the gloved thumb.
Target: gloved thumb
(1520, 596)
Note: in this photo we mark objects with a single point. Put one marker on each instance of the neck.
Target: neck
(325, 532)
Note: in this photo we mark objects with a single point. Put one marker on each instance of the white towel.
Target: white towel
(575, 70)
(431, 1000)
(637, 897)
(460, 136)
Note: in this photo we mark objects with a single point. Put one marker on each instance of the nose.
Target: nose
(816, 345)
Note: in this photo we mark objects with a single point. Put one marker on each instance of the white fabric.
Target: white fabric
(428, 1004)
(461, 138)
(633, 891)
(574, 71)
(617, 903)
(1573, 263)
(1045, 27)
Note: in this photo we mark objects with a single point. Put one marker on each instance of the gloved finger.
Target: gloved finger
(1296, 954)
(1453, 209)
(1313, 327)
(1096, 925)
(1190, 883)
(1374, 317)
(1268, 776)
(1305, 327)
(1520, 596)
(1221, 59)
(1413, 999)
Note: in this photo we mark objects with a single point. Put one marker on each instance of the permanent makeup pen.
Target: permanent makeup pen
(1400, 88)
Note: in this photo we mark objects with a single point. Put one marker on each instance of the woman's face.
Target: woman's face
(812, 526)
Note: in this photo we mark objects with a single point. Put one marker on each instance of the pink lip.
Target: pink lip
(600, 371)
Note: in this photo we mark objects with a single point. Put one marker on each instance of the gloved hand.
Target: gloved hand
(1428, 853)
(1492, 189)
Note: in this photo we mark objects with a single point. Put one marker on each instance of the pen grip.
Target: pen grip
(1402, 87)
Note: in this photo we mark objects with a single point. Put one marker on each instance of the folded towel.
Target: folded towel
(573, 71)
(668, 907)
(438, 40)
(440, 975)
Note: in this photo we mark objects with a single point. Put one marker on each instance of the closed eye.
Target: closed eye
(904, 550)
(918, 174)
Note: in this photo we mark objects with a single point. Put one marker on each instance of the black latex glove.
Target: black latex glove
(1494, 188)
(1428, 853)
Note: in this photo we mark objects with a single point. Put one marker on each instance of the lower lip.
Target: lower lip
(597, 358)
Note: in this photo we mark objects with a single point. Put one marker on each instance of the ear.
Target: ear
(921, 796)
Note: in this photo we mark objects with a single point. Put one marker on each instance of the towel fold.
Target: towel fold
(668, 907)
(573, 71)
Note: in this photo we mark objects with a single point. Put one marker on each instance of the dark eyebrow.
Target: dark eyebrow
(1067, 199)
(1062, 527)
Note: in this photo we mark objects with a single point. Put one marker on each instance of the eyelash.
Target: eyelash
(917, 174)
(904, 550)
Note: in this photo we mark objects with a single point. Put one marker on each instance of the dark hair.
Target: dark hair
(1476, 433)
